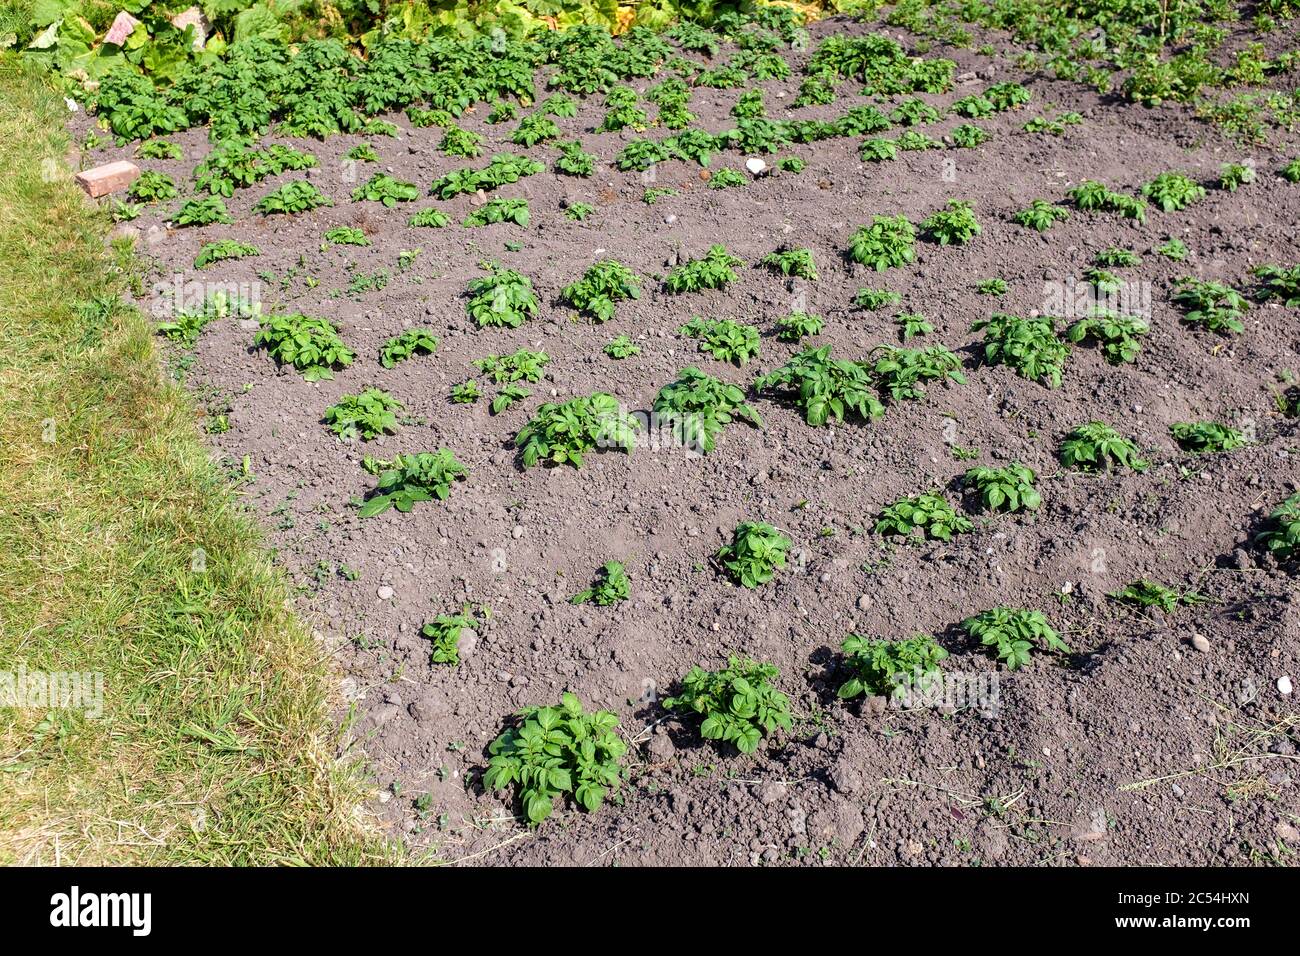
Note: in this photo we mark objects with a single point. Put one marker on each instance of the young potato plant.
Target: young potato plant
(881, 668)
(727, 179)
(1096, 445)
(876, 299)
(969, 136)
(699, 407)
(573, 161)
(1028, 346)
(461, 142)
(153, 186)
(1041, 215)
(504, 298)
(640, 154)
(994, 287)
(310, 345)
(563, 433)
(578, 211)
(410, 479)
(1009, 488)
(556, 751)
(601, 287)
(1279, 284)
(508, 396)
(725, 339)
(798, 325)
(610, 587)
(1291, 171)
(621, 347)
(207, 211)
(792, 262)
(429, 219)
(383, 188)
(499, 210)
(1205, 437)
(466, 393)
(534, 129)
(912, 324)
(955, 225)
(365, 416)
(1144, 593)
(222, 250)
(928, 513)
(292, 198)
(446, 631)
(1281, 534)
(1118, 335)
(1092, 196)
(1114, 257)
(501, 170)
(825, 388)
(411, 342)
(523, 365)
(714, 271)
(900, 371)
(1232, 176)
(885, 244)
(344, 236)
(1173, 191)
(1013, 633)
(1211, 305)
(756, 552)
(739, 705)
(877, 149)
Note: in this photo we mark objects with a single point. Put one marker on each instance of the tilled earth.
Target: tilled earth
(1142, 747)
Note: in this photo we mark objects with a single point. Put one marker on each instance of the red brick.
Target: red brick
(109, 178)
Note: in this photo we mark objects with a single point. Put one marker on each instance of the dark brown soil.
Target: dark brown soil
(1139, 749)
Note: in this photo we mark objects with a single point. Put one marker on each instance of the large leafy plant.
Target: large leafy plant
(367, 415)
(564, 433)
(825, 388)
(1013, 633)
(756, 552)
(410, 479)
(698, 407)
(310, 345)
(555, 751)
(888, 668)
(602, 286)
(738, 705)
(502, 298)
(1029, 346)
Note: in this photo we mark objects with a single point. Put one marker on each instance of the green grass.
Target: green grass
(215, 744)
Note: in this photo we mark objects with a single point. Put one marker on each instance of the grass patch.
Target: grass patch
(215, 744)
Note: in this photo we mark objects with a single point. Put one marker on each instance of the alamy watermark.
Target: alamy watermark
(947, 691)
(1075, 298)
(53, 690)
